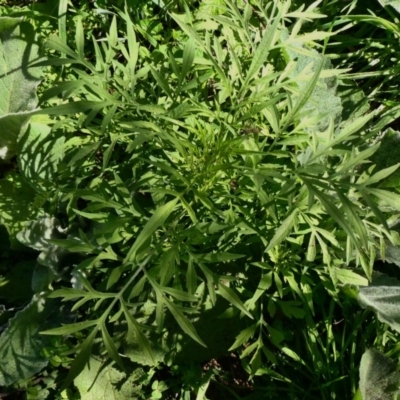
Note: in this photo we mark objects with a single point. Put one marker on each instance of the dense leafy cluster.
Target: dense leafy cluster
(193, 184)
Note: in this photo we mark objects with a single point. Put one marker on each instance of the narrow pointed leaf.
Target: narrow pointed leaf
(81, 359)
(183, 322)
(110, 346)
(156, 220)
(228, 294)
(70, 328)
(142, 340)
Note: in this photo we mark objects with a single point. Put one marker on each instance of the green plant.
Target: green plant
(199, 192)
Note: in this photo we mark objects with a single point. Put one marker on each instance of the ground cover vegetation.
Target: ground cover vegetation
(199, 199)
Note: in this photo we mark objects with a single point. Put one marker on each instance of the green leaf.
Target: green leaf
(381, 175)
(183, 322)
(21, 345)
(162, 82)
(218, 257)
(333, 211)
(40, 153)
(157, 219)
(62, 20)
(271, 35)
(390, 198)
(379, 378)
(56, 43)
(188, 57)
(283, 231)
(317, 99)
(99, 381)
(74, 107)
(80, 360)
(70, 328)
(347, 276)
(244, 336)
(351, 213)
(80, 38)
(191, 277)
(141, 339)
(393, 3)
(18, 81)
(110, 346)
(228, 294)
(67, 293)
(383, 296)
(179, 294)
(74, 246)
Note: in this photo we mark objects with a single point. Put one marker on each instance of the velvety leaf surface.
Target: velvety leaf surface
(21, 344)
(378, 376)
(104, 382)
(323, 104)
(18, 81)
(394, 3)
(40, 152)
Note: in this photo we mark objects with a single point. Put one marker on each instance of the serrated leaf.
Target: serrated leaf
(390, 198)
(55, 43)
(283, 231)
(317, 99)
(244, 336)
(110, 346)
(80, 360)
(141, 339)
(179, 294)
(162, 82)
(70, 328)
(155, 221)
(347, 276)
(381, 175)
(183, 322)
(228, 294)
(271, 35)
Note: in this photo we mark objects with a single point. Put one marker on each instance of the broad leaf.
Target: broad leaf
(393, 3)
(104, 382)
(40, 152)
(18, 81)
(383, 296)
(21, 345)
(379, 378)
(323, 103)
